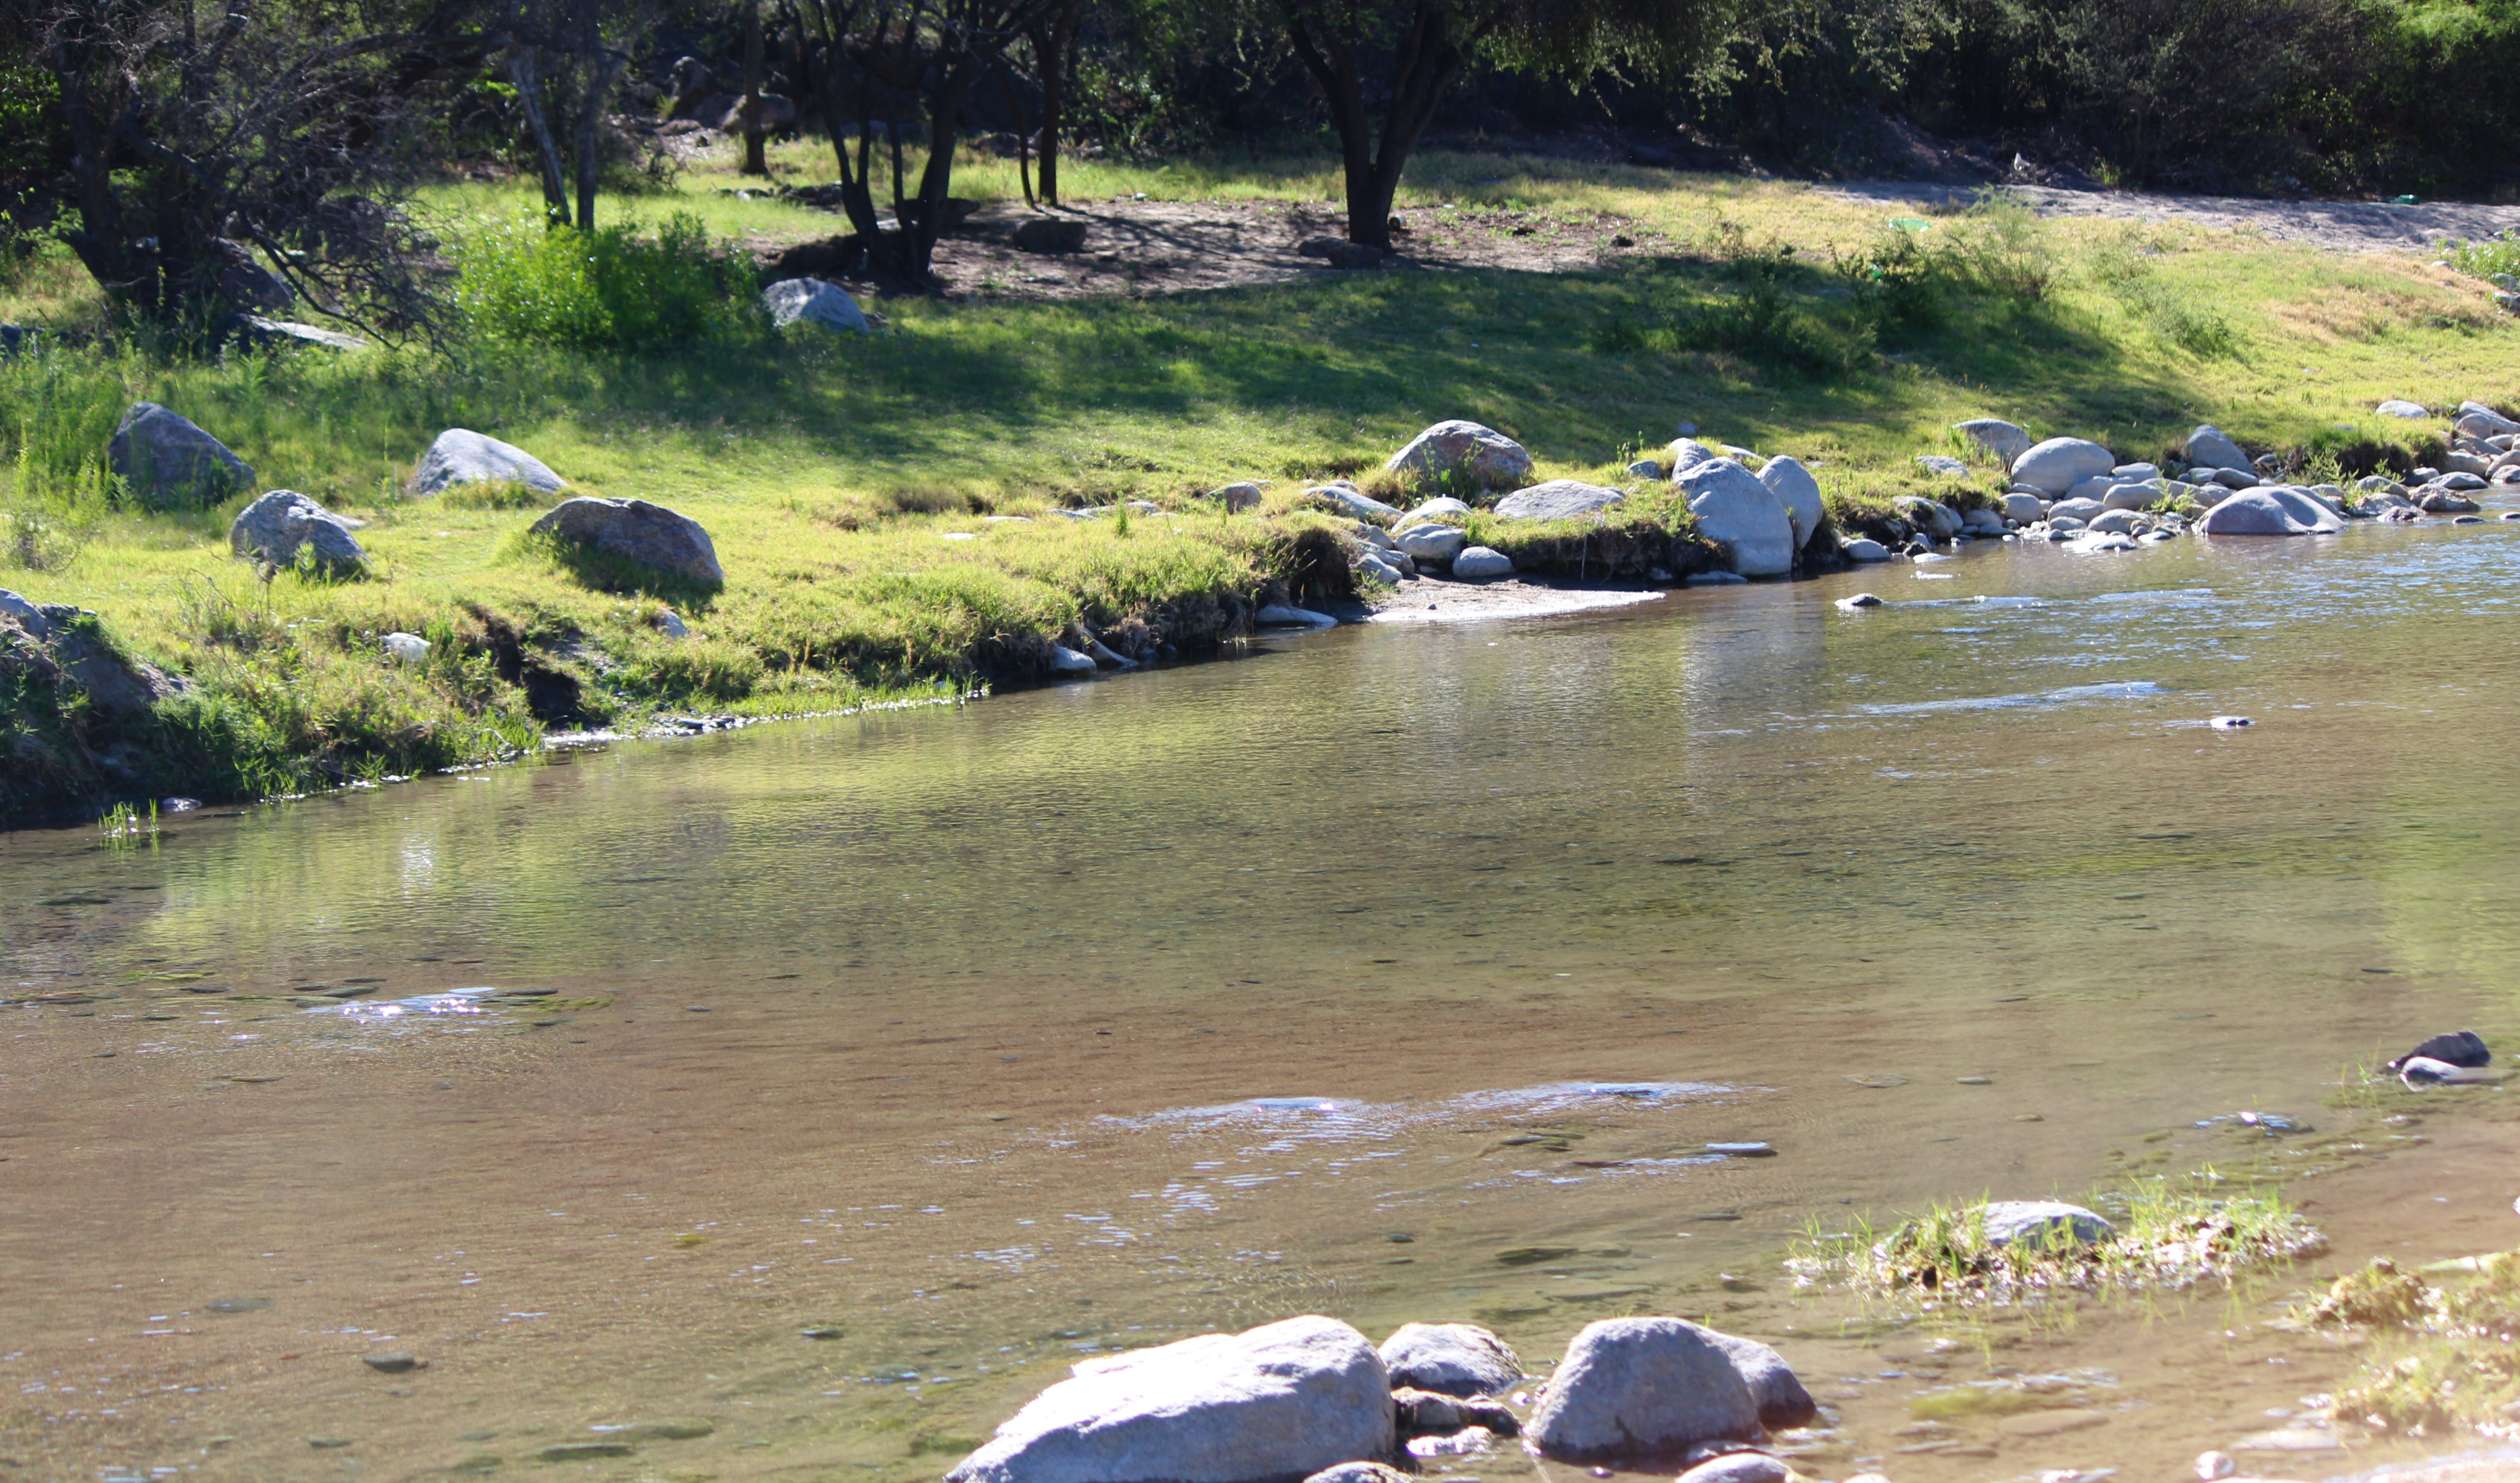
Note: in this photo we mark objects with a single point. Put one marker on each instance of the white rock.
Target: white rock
(1450, 1359)
(2208, 448)
(2273, 510)
(276, 527)
(1069, 661)
(2113, 523)
(2007, 441)
(2390, 408)
(406, 648)
(1642, 1385)
(1556, 500)
(670, 623)
(2024, 508)
(1943, 465)
(1478, 563)
(2075, 510)
(1347, 501)
(1431, 510)
(1375, 571)
(2060, 463)
(1858, 602)
(1433, 543)
(1484, 455)
(28, 616)
(2045, 1222)
(1284, 616)
(2136, 474)
(1794, 488)
(1286, 1400)
(1374, 536)
(1864, 549)
(1744, 516)
(2213, 1467)
(2477, 419)
(1685, 454)
(2233, 478)
(825, 306)
(2129, 496)
(1739, 1468)
(462, 456)
(1239, 497)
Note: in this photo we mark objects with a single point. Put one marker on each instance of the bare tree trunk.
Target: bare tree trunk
(526, 77)
(1053, 49)
(754, 163)
(1427, 60)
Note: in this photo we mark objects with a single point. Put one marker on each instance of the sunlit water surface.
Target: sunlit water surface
(1388, 974)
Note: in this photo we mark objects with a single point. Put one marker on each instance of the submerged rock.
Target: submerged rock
(1284, 1401)
(1739, 1468)
(1782, 1400)
(1285, 616)
(1483, 455)
(1450, 1359)
(1631, 1386)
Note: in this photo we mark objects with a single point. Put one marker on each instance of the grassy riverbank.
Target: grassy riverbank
(837, 476)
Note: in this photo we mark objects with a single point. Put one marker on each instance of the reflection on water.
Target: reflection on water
(871, 1070)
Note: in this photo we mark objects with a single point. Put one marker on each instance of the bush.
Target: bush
(606, 290)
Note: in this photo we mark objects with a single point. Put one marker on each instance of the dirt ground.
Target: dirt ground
(1146, 248)
(2340, 226)
(1160, 247)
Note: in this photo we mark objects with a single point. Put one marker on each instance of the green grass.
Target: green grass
(2169, 1236)
(2442, 1357)
(830, 471)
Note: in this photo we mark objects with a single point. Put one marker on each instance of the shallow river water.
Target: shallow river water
(890, 1063)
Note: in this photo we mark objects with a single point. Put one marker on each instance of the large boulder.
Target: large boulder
(168, 464)
(273, 528)
(1744, 516)
(2209, 448)
(1450, 1359)
(2024, 508)
(2044, 1223)
(1484, 456)
(636, 531)
(1556, 500)
(1480, 564)
(1347, 500)
(1433, 543)
(2005, 440)
(462, 456)
(1631, 1386)
(1781, 1398)
(2270, 510)
(2060, 463)
(2477, 419)
(2398, 407)
(1794, 488)
(825, 306)
(1281, 1402)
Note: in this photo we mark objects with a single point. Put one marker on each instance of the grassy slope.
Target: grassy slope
(831, 473)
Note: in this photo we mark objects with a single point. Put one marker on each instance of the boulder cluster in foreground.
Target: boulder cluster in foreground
(1313, 1399)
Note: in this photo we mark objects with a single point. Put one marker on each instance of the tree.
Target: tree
(1053, 39)
(1403, 54)
(756, 161)
(203, 170)
(566, 56)
(891, 60)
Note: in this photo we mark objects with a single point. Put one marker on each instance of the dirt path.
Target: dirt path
(2340, 226)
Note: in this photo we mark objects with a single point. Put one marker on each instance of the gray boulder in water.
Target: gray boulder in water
(168, 464)
(1744, 516)
(2045, 1223)
(636, 531)
(275, 527)
(462, 456)
(2270, 510)
(1450, 1359)
(1273, 1405)
(1631, 1386)
(1781, 1398)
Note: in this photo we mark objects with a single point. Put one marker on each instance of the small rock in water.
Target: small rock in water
(391, 1363)
(326, 1444)
(2212, 1466)
(236, 1305)
(581, 1451)
(1743, 1151)
(823, 1332)
(1739, 1468)
(1860, 599)
(2229, 723)
(1713, 579)
(1975, 1081)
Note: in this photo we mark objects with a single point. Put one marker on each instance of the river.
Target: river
(1390, 973)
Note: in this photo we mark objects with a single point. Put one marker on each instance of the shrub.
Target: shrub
(606, 290)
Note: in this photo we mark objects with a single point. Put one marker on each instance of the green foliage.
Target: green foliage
(2488, 258)
(608, 290)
